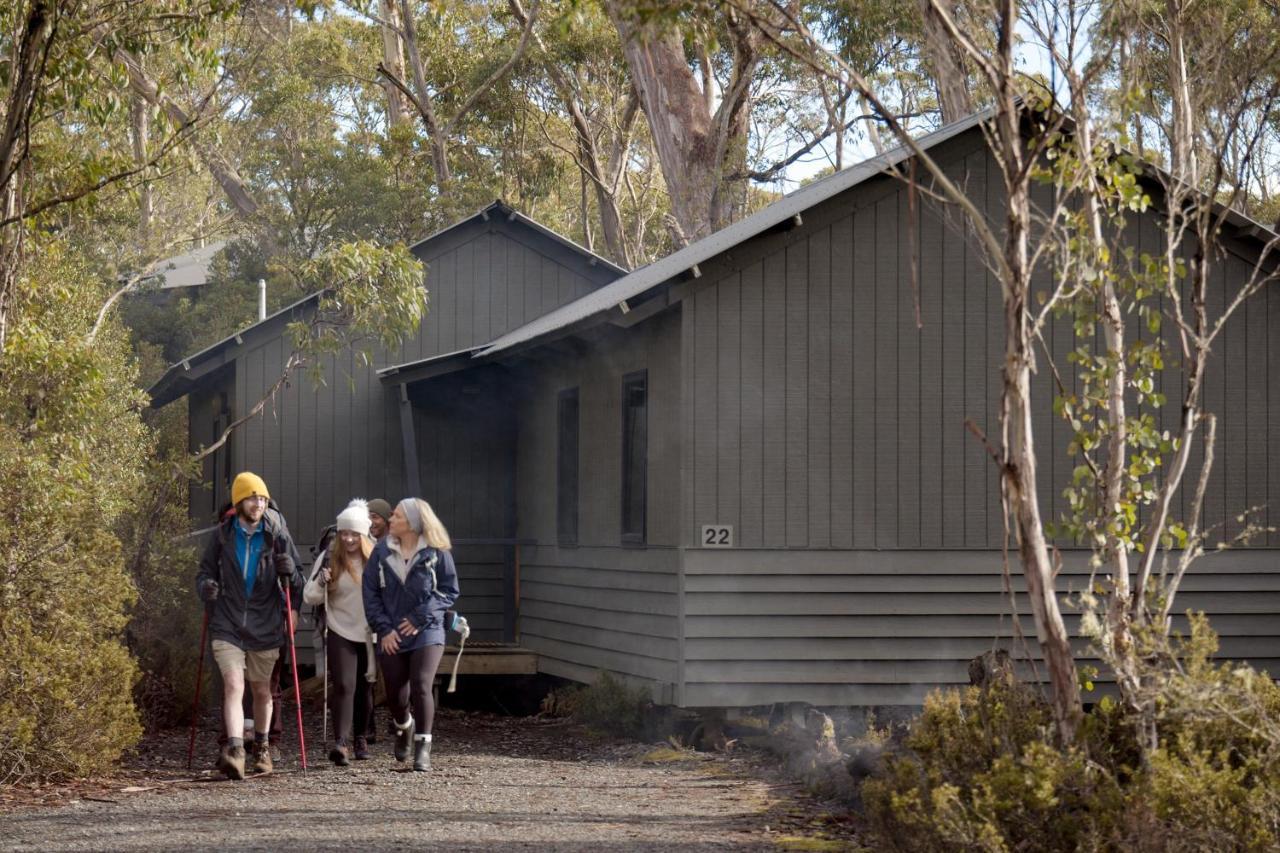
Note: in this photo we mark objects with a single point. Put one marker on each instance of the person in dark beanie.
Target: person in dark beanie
(379, 517)
(248, 558)
(409, 583)
(336, 582)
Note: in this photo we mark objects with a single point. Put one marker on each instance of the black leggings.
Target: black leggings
(350, 694)
(410, 676)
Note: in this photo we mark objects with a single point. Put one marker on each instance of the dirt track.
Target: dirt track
(498, 783)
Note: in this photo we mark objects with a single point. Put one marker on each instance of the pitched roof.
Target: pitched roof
(500, 207)
(178, 378)
(660, 271)
(190, 269)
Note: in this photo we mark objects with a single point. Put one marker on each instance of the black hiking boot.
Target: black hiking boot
(404, 737)
(362, 749)
(231, 762)
(340, 755)
(421, 754)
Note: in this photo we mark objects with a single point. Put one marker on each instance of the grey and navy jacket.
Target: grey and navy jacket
(253, 618)
(430, 588)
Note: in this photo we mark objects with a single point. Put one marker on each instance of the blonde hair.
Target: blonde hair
(338, 559)
(432, 527)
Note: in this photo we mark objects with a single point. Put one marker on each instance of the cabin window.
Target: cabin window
(635, 454)
(567, 469)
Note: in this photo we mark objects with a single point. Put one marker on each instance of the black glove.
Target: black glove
(209, 590)
(284, 564)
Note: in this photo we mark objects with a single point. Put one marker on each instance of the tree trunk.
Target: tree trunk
(237, 191)
(393, 59)
(439, 146)
(948, 65)
(1018, 472)
(695, 148)
(140, 131)
(24, 77)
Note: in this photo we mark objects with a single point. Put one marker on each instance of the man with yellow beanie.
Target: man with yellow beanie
(249, 558)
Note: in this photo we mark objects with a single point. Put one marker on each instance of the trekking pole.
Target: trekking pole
(324, 650)
(195, 703)
(293, 656)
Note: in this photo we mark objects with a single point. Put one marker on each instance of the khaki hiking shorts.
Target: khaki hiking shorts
(257, 666)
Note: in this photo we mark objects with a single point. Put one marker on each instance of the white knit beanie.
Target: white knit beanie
(355, 517)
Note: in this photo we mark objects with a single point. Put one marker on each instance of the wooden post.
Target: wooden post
(510, 551)
(412, 477)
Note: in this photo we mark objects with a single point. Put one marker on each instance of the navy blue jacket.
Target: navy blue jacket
(429, 589)
(253, 622)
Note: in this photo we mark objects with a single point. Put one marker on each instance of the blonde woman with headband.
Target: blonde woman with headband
(409, 583)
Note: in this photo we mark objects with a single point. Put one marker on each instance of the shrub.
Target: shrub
(980, 771)
(612, 706)
(72, 446)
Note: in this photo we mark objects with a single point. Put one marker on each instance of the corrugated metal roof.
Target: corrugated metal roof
(708, 247)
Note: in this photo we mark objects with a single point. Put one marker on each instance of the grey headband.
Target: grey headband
(409, 506)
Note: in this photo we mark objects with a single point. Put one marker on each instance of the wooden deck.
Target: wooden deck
(490, 659)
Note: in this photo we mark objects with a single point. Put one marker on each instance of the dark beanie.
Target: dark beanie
(379, 507)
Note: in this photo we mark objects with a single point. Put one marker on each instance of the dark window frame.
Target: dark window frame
(568, 502)
(633, 519)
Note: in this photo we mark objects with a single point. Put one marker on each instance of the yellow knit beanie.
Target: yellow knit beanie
(246, 485)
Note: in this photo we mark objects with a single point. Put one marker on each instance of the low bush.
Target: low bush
(612, 706)
(979, 769)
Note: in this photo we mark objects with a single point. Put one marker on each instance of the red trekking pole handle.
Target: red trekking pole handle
(293, 655)
(195, 703)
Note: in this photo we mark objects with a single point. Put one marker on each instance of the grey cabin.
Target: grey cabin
(739, 475)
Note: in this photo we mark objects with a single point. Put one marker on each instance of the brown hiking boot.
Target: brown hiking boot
(340, 755)
(231, 762)
(362, 749)
(262, 758)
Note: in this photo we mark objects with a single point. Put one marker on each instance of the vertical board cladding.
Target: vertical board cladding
(861, 439)
(974, 379)
(840, 410)
(750, 462)
(884, 408)
(774, 448)
(319, 445)
(819, 498)
(841, 415)
(599, 604)
(1271, 299)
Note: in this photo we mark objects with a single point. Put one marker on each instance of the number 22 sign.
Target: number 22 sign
(717, 536)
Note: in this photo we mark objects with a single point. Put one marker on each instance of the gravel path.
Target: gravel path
(499, 783)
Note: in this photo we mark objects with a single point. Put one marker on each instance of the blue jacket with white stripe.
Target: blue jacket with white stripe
(430, 588)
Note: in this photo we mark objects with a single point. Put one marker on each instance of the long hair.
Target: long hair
(338, 560)
(432, 527)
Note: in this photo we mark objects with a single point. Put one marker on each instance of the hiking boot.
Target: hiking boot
(231, 762)
(262, 758)
(340, 755)
(421, 753)
(362, 749)
(404, 737)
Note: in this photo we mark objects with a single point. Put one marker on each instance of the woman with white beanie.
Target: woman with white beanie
(336, 583)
